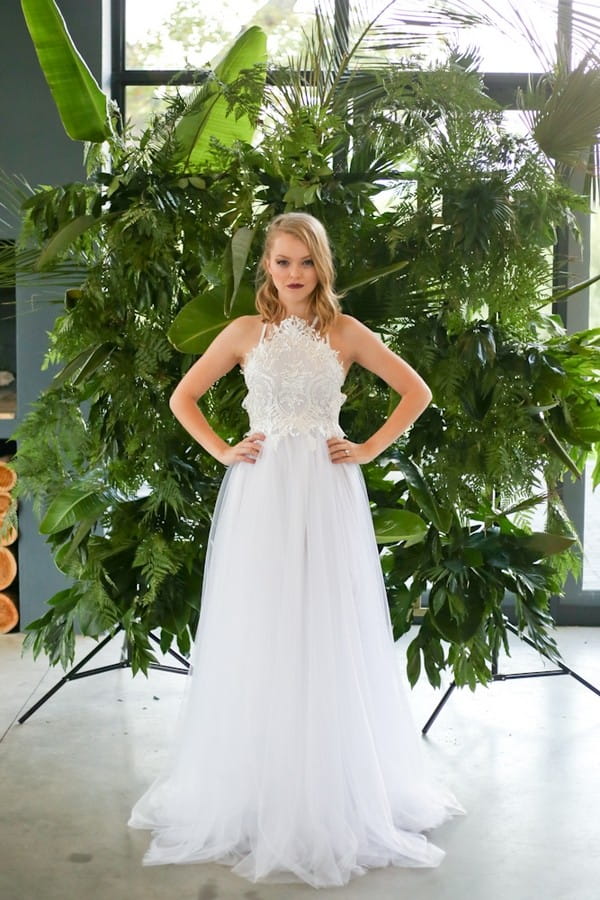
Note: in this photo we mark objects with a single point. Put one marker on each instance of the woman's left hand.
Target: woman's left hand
(341, 450)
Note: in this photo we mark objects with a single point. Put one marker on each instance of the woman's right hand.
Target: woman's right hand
(247, 450)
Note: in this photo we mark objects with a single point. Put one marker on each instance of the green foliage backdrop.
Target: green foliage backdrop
(443, 225)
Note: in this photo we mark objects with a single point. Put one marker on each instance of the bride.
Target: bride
(295, 757)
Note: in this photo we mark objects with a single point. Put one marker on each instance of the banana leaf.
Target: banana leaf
(209, 115)
(204, 317)
(72, 504)
(81, 104)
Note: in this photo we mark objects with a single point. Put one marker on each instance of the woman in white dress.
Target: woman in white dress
(295, 757)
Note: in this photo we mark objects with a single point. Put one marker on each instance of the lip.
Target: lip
(294, 287)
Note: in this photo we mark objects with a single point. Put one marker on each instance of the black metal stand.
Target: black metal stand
(499, 676)
(124, 663)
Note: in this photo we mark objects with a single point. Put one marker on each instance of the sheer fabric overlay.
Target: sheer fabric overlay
(295, 757)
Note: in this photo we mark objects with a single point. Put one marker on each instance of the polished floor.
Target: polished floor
(523, 756)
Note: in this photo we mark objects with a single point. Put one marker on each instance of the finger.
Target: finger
(249, 451)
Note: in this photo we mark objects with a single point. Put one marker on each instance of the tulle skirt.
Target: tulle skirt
(295, 757)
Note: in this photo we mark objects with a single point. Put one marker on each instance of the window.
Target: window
(591, 521)
(167, 43)
(158, 48)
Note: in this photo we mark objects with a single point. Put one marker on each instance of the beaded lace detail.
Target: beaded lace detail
(294, 380)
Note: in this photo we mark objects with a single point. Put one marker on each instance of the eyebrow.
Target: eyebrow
(283, 256)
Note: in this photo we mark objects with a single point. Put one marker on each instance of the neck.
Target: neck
(306, 313)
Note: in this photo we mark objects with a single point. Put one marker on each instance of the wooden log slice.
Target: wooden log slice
(8, 568)
(9, 615)
(8, 478)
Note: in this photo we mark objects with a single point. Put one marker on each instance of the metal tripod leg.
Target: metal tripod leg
(438, 709)
(72, 673)
(498, 676)
(124, 663)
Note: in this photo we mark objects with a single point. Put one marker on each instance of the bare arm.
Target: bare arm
(222, 355)
(364, 347)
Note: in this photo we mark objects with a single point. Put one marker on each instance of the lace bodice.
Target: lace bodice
(294, 380)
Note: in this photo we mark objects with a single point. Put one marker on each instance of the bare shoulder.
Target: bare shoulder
(240, 334)
(242, 326)
(348, 335)
(348, 326)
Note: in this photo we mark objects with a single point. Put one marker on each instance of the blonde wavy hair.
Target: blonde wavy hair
(324, 302)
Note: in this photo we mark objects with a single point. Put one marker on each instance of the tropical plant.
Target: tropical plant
(443, 225)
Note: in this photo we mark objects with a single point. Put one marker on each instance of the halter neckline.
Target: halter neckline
(277, 327)
(300, 319)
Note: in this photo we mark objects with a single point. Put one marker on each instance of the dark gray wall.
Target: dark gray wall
(34, 145)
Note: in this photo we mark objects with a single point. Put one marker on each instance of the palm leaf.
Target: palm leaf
(343, 61)
(563, 113)
(570, 292)
(23, 264)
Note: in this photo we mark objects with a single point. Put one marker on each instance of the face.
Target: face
(291, 267)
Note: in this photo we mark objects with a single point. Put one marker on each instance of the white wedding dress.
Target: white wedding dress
(295, 757)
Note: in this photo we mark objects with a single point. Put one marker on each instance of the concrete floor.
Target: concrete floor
(522, 756)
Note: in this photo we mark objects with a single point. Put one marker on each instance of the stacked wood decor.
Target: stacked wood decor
(9, 615)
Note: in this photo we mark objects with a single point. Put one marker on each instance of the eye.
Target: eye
(308, 263)
(281, 262)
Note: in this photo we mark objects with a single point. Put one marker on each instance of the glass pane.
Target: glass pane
(178, 34)
(141, 101)
(520, 36)
(586, 28)
(591, 526)
(595, 266)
